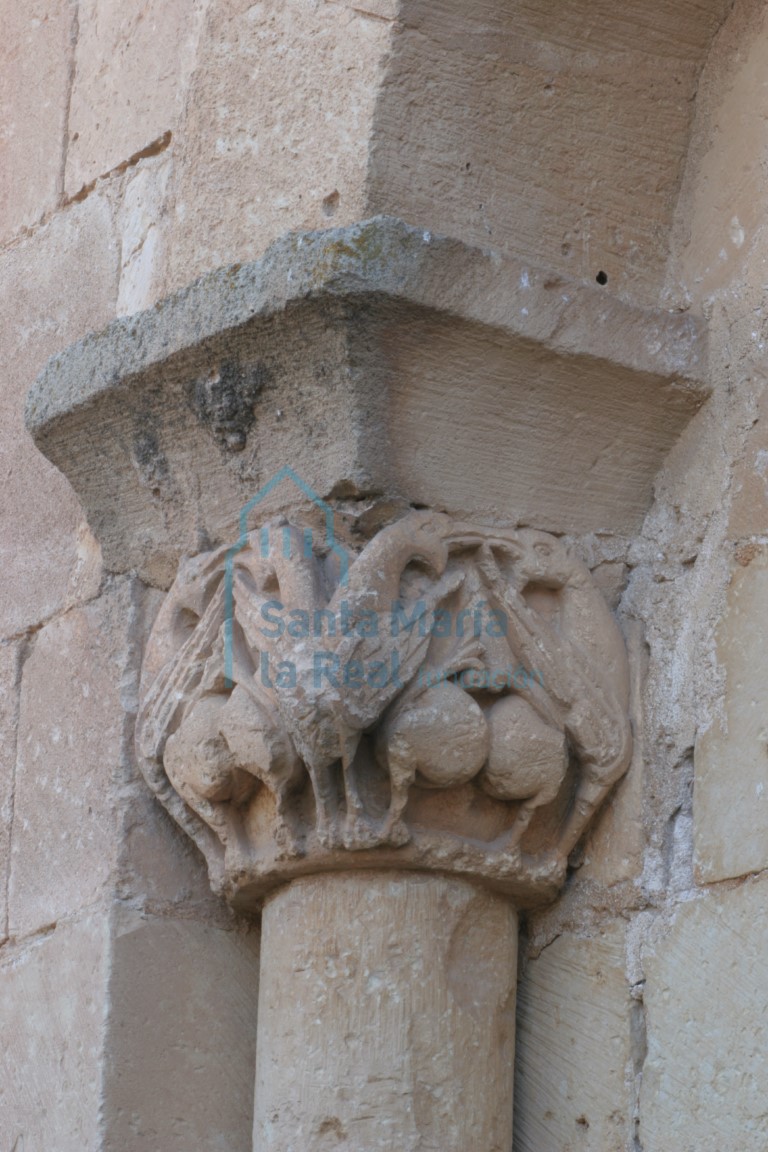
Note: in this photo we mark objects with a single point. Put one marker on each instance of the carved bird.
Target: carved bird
(202, 767)
(437, 740)
(527, 761)
(582, 688)
(215, 745)
(326, 716)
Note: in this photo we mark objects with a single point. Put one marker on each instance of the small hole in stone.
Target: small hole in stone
(582, 1122)
(467, 166)
(331, 203)
(602, 277)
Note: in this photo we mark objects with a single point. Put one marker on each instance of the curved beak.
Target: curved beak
(435, 556)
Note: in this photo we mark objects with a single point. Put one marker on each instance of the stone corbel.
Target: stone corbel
(384, 695)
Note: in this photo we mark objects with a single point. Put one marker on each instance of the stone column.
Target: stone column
(383, 712)
(386, 1016)
(358, 736)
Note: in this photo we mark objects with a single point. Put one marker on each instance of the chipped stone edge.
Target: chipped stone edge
(383, 257)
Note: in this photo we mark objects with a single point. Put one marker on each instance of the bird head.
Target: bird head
(542, 559)
(427, 536)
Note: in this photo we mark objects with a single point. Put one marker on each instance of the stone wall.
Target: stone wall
(666, 912)
(111, 946)
(145, 143)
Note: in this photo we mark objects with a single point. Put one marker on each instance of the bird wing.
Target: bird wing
(170, 692)
(374, 669)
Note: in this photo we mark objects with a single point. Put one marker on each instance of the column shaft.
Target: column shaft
(386, 1016)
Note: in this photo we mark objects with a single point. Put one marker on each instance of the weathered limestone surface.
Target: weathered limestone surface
(119, 1033)
(748, 514)
(278, 126)
(86, 829)
(575, 1048)
(85, 824)
(719, 266)
(181, 1037)
(614, 849)
(156, 863)
(54, 287)
(704, 1078)
(53, 1003)
(559, 139)
(143, 237)
(35, 63)
(133, 61)
(71, 752)
(731, 785)
(721, 234)
(10, 660)
(386, 1017)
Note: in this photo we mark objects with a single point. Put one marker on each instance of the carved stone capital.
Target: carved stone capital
(363, 713)
(391, 369)
(450, 698)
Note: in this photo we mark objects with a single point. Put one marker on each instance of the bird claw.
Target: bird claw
(395, 834)
(360, 834)
(553, 865)
(329, 835)
(287, 842)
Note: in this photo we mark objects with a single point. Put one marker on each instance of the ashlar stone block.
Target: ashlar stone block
(704, 1078)
(53, 1006)
(9, 705)
(133, 62)
(178, 1072)
(72, 744)
(574, 1047)
(730, 799)
(143, 236)
(278, 127)
(54, 287)
(35, 62)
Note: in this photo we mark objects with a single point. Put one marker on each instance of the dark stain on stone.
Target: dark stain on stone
(332, 1127)
(149, 460)
(225, 399)
(746, 553)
